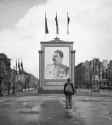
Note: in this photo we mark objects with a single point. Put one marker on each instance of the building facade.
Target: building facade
(4, 72)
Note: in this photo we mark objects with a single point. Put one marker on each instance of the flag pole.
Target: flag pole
(57, 27)
(46, 25)
(68, 21)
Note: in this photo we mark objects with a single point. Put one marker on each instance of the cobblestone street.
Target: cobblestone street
(49, 110)
(53, 113)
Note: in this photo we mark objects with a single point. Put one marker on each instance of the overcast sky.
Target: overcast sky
(22, 28)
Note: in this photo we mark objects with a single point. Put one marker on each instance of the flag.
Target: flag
(57, 28)
(16, 66)
(21, 66)
(68, 21)
(46, 26)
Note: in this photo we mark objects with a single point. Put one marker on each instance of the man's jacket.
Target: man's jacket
(68, 93)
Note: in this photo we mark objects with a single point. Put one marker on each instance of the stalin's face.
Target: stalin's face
(56, 58)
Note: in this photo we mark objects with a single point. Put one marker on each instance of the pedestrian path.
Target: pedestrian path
(53, 113)
(89, 92)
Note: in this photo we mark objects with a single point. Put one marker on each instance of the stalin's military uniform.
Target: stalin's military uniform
(59, 71)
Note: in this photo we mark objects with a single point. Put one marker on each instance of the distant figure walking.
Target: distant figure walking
(68, 91)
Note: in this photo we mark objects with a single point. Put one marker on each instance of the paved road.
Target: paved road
(49, 110)
(53, 113)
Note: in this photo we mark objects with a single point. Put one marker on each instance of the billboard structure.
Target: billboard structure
(56, 63)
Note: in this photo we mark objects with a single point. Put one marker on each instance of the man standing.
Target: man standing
(68, 91)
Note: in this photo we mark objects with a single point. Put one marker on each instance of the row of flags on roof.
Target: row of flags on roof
(57, 26)
(19, 66)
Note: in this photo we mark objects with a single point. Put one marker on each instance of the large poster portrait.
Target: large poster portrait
(56, 63)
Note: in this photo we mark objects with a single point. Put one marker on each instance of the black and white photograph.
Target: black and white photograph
(55, 62)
